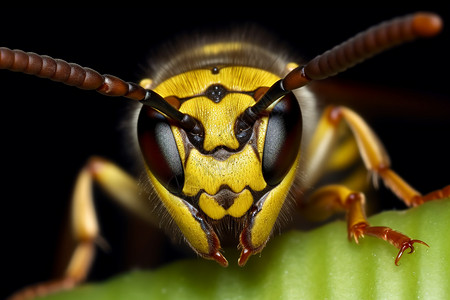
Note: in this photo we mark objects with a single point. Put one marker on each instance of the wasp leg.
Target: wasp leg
(406, 193)
(376, 159)
(371, 150)
(123, 188)
(340, 198)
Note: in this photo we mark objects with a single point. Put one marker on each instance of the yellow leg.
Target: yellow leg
(339, 198)
(371, 150)
(336, 198)
(123, 189)
(377, 160)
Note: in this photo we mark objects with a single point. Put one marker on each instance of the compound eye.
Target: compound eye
(159, 149)
(282, 142)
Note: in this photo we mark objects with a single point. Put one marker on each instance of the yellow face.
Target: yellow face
(222, 175)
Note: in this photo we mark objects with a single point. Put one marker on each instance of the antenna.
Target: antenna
(351, 52)
(87, 79)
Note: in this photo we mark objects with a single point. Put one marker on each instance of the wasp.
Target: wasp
(230, 139)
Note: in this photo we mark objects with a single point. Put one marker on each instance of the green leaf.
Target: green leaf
(318, 264)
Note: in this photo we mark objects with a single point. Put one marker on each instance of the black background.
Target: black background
(49, 130)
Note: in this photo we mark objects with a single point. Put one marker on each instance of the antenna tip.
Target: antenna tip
(427, 24)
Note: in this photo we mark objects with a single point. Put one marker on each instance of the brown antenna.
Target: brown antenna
(68, 73)
(85, 78)
(351, 52)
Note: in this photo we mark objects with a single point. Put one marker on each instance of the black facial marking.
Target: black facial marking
(216, 92)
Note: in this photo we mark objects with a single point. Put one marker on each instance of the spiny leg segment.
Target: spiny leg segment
(335, 198)
(341, 198)
(123, 189)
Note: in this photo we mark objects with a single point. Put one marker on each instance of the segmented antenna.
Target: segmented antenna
(68, 73)
(85, 78)
(351, 52)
